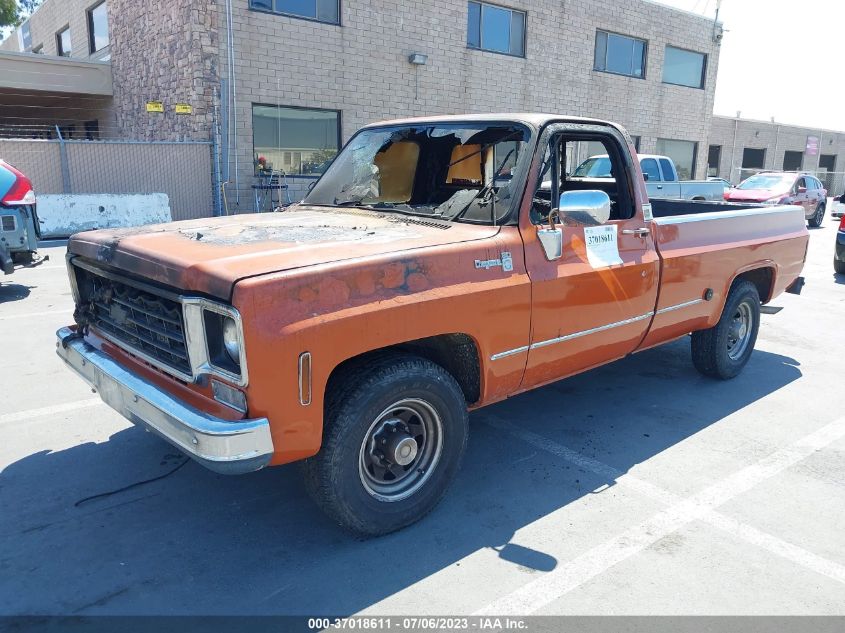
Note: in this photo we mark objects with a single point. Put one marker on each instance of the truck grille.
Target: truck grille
(136, 319)
(8, 223)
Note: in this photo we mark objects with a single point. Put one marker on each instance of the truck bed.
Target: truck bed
(661, 208)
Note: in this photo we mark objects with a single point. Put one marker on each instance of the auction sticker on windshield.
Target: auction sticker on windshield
(602, 245)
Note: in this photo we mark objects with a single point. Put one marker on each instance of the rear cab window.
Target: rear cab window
(668, 170)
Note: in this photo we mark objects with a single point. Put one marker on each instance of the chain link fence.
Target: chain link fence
(181, 169)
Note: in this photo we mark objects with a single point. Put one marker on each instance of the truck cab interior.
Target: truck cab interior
(563, 154)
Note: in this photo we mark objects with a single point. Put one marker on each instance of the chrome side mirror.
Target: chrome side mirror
(576, 208)
(584, 208)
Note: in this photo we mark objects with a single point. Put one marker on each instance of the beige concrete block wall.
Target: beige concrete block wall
(361, 67)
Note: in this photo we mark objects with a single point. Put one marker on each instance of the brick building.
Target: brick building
(288, 81)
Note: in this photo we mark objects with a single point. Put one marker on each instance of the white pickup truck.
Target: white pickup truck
(661, 178)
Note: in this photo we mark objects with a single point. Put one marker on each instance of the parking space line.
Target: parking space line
(35, 314)
(701, 506)
(19, 416)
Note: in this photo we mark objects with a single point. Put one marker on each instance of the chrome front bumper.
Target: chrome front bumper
(220, 445)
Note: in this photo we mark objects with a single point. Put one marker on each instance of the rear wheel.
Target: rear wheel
(723, 350)
(395, 434)
(818, 216)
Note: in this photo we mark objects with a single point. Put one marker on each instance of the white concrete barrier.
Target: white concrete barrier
(65, 214)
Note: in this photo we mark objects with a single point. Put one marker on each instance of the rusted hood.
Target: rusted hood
(210, 255)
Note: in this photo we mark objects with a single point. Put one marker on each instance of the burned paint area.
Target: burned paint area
(332, 292)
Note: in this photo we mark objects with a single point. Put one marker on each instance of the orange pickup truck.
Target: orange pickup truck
(439, 265)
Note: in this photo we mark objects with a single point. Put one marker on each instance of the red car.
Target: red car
(783, 188)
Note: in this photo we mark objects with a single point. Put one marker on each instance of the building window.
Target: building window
(620, 55)
(636, 140)
(714, 157)
(320, 10)
(496, 29)
(24, 36)
(63, 42)
(684, 68)
(298, 141)
(98, 28)
(682, 154)
(792, 161)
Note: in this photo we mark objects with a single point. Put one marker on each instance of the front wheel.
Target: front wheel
(395, 434)
(723, 350)
(818, 216)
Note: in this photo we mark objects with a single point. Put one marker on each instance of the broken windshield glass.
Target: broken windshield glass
(450, 171)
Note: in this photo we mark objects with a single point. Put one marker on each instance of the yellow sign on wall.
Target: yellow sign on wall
(184, 108)
(155, 106)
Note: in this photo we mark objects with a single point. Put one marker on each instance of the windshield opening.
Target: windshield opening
(769, 181)
(454, 172)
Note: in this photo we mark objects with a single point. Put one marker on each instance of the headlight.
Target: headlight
(231, 340)
(778, 200)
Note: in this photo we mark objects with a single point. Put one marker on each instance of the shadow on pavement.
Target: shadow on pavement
(13, 292)
(200, 543)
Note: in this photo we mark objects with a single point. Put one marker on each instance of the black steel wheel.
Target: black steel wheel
(723, 350)
(395, 431)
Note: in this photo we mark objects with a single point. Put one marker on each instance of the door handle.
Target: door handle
(640, 232)
(660, 186)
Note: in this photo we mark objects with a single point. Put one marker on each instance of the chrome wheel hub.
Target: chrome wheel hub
(400, 450)
(739, 331)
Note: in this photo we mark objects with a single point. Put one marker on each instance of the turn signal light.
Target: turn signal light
(842, 223)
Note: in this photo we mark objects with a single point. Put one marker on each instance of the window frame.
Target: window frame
(296, 16)
(480, 46)
(693, 166)
(703, 81)
(611, 72)
(89, 19)
(340, 143)
(59, 48)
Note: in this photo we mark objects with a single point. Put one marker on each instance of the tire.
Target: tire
(838, 266)
(397, 408)
(717, 352)
(818, 216)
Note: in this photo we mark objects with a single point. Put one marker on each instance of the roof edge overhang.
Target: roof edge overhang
(45, 73)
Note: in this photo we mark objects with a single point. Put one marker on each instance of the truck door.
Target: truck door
(592, 304)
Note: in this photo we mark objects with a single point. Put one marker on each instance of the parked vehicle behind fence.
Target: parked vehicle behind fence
(19, 226)
(784, 188)
(661, 178)
(429, 271)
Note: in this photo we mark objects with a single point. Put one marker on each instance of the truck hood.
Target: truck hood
(210, 255)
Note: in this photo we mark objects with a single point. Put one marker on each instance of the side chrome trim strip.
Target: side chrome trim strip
(601, 328)
(510, 352)
(685, 304)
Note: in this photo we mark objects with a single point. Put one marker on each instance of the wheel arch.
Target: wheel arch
(762, 275)
(457, 353)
